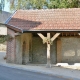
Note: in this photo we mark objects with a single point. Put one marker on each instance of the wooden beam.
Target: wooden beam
(42, 36)
(48, 35)
(55, 36)
(48, 51)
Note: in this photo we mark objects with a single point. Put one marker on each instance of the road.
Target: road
(7, 73)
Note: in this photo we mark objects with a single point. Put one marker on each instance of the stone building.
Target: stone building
(44, 36)
(3, 29)
(3, 17)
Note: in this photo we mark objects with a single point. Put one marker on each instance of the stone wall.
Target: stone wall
(18, 50)
(54, 52)
(22, 48)
(71, 49)
(39, 51)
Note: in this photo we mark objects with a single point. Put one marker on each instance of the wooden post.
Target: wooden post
(48, 41)
(59, 57)
(42, 36)
(48, 51)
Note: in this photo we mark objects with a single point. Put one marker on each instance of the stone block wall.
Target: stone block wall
(54, 52)
(22, 48)
(18, 50)
(70, 49)
(65, 49)
(39, 51)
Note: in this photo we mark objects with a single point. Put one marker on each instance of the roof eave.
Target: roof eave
(40, 30)
(61, 30)
(14, 28)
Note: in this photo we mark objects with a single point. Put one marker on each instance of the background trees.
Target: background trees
(2, 3)
(63, 3)
(39, 4)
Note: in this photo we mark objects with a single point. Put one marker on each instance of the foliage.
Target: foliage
(63, 4)
(2, 3)
(26, 4)
(39, 4)
(5, 38)
(2, 39)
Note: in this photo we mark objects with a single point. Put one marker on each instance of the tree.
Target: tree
(39, 4)
(63, 4)
(27, 4)
(2, 3)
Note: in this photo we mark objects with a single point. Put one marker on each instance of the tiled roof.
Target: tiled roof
(49, 19)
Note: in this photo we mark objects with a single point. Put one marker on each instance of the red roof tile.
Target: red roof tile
(49, 19)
